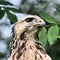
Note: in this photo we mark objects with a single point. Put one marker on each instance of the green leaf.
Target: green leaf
(59, 33)
(43, 36)
(12, 17)
(59, 36)
(5, 3)
(47, 18)
(14, 10)
(53, 34)
(2, 12)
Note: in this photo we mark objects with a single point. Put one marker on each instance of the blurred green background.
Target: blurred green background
(13, 10)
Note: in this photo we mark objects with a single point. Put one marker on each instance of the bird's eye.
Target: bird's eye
(29, 19)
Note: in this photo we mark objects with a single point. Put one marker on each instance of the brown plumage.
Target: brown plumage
(25, 45)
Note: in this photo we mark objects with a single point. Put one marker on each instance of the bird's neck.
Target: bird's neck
(31, 35)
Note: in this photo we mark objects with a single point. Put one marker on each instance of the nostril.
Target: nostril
(40, 21)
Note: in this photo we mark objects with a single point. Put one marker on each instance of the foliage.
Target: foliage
(49, 35)
(5, 3)
(12, 17)
(52, 28)
(43, 36)
(7, 10)
(1, 13)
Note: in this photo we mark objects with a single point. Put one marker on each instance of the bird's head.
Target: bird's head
(28, 23)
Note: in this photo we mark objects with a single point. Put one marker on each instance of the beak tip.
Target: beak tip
(43, 23)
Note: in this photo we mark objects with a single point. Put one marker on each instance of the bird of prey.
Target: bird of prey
(25, 45)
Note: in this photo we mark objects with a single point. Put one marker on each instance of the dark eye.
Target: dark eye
(29, 19)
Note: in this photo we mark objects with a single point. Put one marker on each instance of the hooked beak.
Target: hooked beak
(40, 22)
